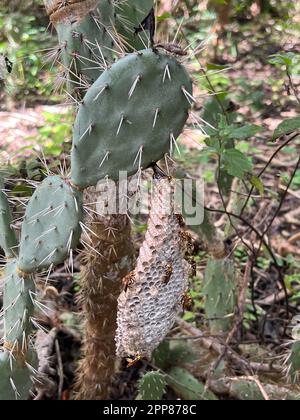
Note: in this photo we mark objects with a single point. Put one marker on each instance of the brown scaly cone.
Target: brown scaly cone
(101, 279)
(154, 292)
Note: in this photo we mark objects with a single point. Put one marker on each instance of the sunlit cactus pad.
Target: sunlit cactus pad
(8, 240)
(86, 46)
(18, 307)
(130, 117)
(16, 375)
(51, 226)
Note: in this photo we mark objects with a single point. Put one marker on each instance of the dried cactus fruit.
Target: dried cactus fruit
(148, 308)
(51, 225)
(8, 239)
(127, 121)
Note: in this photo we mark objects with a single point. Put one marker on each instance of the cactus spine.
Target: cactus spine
(129, 16)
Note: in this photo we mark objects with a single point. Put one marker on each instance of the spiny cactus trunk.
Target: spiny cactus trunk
(101, 279)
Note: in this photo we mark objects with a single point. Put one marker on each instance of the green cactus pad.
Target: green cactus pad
(187, 386)
(130, 117)
(51, 226)
(8, 240)
(152, 386)
(15, 376)
(18, 306)
(294, 362)
(85, 45)
(219, 289)
(129, 16)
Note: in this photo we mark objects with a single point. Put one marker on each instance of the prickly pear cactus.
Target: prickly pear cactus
(294, 362)
(17, 360)
(18, 308)
(219, 290)
(187, 386)
(153, 292)
(152, 386)
(51, 225)
(17, 375)
(8, 239)
(130, 14)
(86, 43)
(127, 119)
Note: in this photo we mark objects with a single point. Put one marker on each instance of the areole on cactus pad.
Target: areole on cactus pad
(130, 117)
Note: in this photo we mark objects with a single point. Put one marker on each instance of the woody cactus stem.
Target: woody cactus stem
(101, 284)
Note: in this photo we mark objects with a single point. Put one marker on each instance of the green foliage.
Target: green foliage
(56, 129)
(235, 163)
(23, 38)
(289, 60)
(287, 126)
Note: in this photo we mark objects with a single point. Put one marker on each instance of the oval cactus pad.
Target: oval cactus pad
(51, 226)
(130, 117)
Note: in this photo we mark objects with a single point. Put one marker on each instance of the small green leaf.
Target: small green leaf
(243, 132)
(164, 16)
(257, 183)
(212, 66)
(286, 127)
(282, 59)
(236, 163)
